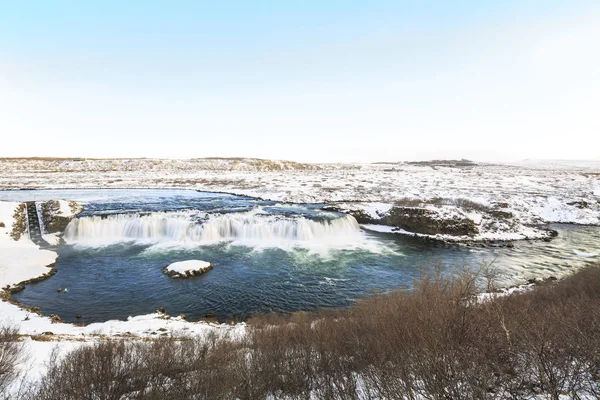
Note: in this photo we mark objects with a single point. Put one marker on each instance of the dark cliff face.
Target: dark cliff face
(421, 220)
(53, 221)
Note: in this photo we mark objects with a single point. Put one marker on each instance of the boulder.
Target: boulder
(187, 269)
(58, 213)
(429, 222)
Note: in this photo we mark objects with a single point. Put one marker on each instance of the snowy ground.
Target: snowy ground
(188, 268)
(534, 193)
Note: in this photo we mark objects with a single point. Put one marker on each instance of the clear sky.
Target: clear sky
(301, 80)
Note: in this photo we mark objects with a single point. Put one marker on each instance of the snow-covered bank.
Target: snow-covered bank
(22, 261)
(19, 260)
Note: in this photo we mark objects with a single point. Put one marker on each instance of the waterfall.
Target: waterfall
(253, 226)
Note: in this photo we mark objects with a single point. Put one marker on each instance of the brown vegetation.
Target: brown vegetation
(54, 221)
(435, 342)
(20, 222)
(10, 354)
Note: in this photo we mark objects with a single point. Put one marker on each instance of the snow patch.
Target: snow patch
(584, 254)
(184, 269)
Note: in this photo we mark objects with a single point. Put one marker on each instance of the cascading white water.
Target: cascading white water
(254, 228)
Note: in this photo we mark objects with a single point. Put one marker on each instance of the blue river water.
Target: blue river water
(267, 256)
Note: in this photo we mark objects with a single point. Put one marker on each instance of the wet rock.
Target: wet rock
(54, 220)
(362, 217)
(429, 222)
(187, 269)
(14, 289)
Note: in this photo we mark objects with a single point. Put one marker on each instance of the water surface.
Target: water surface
(268, 256)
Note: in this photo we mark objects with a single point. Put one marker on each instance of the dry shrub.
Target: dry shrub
(11, 352)
(435, 342)
(19, 227)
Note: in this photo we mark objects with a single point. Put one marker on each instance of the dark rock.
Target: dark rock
(579, 204)
(421, 220)
(186, 274)
(331, 208)
(14, 289)
(53, 221)
(499, 214)
(161, 310)
(362, 217)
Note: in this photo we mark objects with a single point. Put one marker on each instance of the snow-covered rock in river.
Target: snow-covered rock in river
(186, 269)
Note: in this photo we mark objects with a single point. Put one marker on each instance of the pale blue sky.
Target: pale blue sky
(302, 80)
